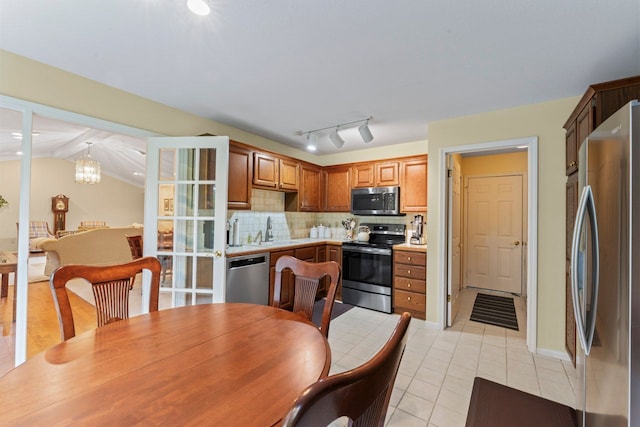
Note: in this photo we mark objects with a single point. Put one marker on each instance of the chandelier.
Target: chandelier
(87, 169)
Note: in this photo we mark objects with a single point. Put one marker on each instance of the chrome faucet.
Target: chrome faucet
(268, 235)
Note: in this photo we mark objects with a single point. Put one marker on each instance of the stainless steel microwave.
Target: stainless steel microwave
(375, 201)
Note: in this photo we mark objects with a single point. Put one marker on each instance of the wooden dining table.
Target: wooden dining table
(214, 364)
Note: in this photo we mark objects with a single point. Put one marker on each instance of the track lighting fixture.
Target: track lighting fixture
(365, 132)
(335, 137)
(312, 141)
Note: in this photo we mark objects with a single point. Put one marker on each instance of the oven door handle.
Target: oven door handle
(377, 251)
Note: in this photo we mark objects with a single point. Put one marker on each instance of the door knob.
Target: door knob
(516, 243)
(217, 254)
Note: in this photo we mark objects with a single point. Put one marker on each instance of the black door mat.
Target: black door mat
(495, 310)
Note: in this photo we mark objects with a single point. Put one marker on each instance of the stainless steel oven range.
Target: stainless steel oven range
(367, 267)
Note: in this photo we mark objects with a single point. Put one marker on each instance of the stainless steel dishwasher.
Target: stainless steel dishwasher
(248, 279)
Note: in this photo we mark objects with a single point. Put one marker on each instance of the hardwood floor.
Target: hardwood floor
(42, 322)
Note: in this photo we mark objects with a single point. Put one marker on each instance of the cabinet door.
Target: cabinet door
(584, 126)
(265, 170)
(337, 189)
(413, 185)
(239, 193)
(571, 149)
(289, 172)
(310, 188)
(387, 174)
(363, 175)
(334, 253)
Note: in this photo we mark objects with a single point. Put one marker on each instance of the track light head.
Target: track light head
(365, 132)
(336, 138)
(312, 141)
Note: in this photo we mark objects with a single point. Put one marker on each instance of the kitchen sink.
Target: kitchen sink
(275, 243)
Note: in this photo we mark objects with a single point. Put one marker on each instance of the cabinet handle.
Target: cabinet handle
(408, 298)
(408, 258)
(408, 285)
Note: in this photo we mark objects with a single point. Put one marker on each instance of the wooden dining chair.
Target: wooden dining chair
(361, 394)
(307, 279)
(135, 246)
(110, 285)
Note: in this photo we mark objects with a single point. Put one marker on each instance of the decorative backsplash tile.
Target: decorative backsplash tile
(296, 225)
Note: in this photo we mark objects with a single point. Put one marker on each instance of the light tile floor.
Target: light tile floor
(434, 382)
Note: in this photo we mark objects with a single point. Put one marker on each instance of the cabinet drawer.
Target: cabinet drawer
(410, 271)
(411, 258)
(277, 254)
(307, 253)
(410, 300)
(413, 285)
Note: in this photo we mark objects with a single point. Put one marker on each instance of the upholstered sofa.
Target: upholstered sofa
(100, 246)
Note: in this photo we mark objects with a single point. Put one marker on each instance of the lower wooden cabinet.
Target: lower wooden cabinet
(410, 283)
(286, 290)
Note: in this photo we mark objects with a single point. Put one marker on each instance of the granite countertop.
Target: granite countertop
(247, 249)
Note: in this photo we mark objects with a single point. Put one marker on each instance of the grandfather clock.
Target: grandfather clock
(59, 206)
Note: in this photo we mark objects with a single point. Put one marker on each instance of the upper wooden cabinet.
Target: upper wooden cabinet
(275, 173)
(363, 175)
(597, 104)
(337, 184)
(376, 174)
(387, 174)
(310, 194)
(413, 184)
(240, 168)
(289, 171)
(265, 170)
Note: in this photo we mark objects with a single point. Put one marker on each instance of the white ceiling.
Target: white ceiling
(277, 67)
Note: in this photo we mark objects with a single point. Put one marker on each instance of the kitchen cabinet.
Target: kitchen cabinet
(272, 172)
(309, 197)
(337, 188)
(363, 175)
(413, 184)
(387, 174)
(410, 283)
(376, 174)
(310, 188)
(334, 253)
(289, 171)
(597, 104)
(240, 168)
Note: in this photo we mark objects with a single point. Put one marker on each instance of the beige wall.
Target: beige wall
(545, 121)
(112, 200)
(33, 81)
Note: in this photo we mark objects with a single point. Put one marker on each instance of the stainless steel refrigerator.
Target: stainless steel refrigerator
(605, 273)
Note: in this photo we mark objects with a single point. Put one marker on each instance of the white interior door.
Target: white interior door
(455, 218)
(493, 250)
(185, 213)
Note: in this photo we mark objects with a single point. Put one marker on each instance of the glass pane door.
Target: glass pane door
(185, 213)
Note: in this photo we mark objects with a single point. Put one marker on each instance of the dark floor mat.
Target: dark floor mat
(495, 310)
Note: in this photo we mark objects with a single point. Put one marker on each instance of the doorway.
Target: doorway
(453, 258)
(494, 214)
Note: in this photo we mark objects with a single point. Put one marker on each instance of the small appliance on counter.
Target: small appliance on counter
(417, 233)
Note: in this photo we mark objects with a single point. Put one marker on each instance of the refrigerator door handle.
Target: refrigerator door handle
(586, 331)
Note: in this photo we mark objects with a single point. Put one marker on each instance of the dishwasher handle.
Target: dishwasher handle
(238, 263)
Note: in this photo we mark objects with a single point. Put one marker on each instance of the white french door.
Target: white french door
(185, 213)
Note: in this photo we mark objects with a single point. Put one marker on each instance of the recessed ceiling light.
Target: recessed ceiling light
(19, 153)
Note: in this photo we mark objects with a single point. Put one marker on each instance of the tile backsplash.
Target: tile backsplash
(296, 225)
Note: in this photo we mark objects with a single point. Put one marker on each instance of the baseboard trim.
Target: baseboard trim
(562, 355)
